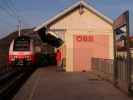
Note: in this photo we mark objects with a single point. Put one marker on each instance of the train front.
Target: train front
(21, 52)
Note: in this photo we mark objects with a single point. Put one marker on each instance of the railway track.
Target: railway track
(12, 80)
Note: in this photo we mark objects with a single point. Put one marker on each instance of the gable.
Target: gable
(71, 9)
(76, 21)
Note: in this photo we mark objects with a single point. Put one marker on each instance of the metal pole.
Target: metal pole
(115, 71)
(19, 28)
(128, 55)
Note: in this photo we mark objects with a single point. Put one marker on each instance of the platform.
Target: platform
(47, 84)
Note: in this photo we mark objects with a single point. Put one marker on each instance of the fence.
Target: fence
(103, 67)
(120, 75)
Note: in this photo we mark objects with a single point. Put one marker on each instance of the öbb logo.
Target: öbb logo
(85, 38)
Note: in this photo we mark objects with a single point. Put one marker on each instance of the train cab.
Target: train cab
(21, 51)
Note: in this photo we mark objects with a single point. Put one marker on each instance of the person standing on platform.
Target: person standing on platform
(58, 60)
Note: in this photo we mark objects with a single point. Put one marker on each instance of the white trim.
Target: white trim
(71, 8)
(53, 34)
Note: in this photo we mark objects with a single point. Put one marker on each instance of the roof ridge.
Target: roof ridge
(87, 5)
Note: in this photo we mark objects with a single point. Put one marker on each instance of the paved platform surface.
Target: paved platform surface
(47, 84)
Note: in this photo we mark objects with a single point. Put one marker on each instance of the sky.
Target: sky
(34, 12)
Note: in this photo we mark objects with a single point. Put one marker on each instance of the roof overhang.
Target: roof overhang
(45, 24)
(54, 41)
(50, 38)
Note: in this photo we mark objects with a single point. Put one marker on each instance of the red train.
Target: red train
(21, 51)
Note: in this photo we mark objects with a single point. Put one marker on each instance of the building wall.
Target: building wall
(87, 47)
(86, 24)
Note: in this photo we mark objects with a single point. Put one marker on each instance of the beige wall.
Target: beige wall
(87, 23)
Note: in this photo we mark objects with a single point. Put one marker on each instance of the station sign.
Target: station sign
(121, 32)
(122, 52)
(84, 38)
(121, 20)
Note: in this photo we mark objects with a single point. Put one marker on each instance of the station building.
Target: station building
(86, 33)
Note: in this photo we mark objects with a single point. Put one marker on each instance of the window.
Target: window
(21, 45)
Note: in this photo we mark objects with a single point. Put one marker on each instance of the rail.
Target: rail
(11, 81)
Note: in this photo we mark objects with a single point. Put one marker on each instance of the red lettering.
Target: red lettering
(90, 38)
(79, 38)
(85, 38)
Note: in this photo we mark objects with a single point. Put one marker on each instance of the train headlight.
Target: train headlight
(15, 57)
(11, 57)
(28, 57)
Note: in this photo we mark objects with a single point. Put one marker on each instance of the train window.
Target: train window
(21, 45)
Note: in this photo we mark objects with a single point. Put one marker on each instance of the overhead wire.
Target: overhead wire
(11, 10)
(25, 22)
(7, 11)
